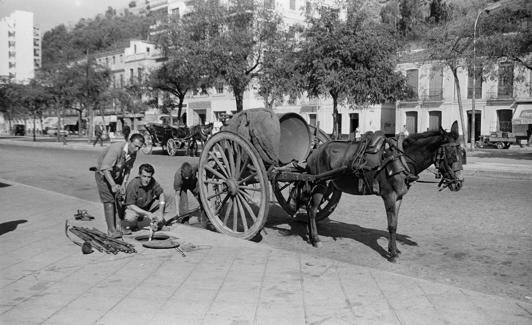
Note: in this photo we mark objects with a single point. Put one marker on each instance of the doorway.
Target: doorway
(478, 124)
(411, 122)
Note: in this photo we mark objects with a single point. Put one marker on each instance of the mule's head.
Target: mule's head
(448, 160)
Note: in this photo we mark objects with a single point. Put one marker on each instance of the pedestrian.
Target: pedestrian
(112, 171)
(126, 131)
(62, 134)
(145, 201)
(404, 131)
(185, 180)
(98, 133)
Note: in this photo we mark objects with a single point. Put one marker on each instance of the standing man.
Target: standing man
(98, 133)
(145, 201)
(112, 172)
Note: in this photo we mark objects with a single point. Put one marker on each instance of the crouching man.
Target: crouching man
(145, 201)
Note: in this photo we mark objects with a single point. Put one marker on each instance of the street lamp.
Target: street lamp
(487, 10)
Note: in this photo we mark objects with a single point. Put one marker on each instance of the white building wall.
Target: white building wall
(18, 28)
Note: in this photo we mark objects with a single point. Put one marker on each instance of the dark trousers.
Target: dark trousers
(98, 138)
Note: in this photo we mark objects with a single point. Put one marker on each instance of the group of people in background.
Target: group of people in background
(141, 202)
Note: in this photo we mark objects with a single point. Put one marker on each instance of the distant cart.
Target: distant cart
(499, 140)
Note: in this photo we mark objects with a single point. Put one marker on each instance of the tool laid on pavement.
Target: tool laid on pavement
(83, 215)
(181, 218)
(98, 240)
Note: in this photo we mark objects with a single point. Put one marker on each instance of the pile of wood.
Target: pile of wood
(100, 241)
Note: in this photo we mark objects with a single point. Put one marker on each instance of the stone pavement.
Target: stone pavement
(45, 279)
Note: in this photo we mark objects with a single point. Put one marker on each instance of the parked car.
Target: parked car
(53, 132)
(500, 140)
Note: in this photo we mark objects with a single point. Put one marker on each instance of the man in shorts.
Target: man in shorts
(145, 201)
(112, 172)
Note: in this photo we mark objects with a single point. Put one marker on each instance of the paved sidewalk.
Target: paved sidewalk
(45, 279)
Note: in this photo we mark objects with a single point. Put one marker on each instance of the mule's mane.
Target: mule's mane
(422, 138)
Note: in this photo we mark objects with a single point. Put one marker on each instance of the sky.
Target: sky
(50, 13)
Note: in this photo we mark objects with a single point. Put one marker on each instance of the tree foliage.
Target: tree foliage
(64, 44)
(232, 37)
(350, 60)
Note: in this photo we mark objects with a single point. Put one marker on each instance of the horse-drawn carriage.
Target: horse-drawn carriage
(237, 173)
(170, 138)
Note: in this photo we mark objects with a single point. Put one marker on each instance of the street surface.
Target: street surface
(479, 238)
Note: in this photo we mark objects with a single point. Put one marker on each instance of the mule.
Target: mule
(420, 151)
(198, 133)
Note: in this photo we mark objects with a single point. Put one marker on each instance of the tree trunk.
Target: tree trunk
(58, 122)
(34, 119)
(180, 108)
(460, 107)
(239, 97)
(335, 116)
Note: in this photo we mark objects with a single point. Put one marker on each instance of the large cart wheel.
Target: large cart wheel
(285, 193)
(500, 145)
(233, 185)
(171, 147)
(148, 144)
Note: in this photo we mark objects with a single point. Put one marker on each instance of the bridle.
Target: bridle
(448, 163)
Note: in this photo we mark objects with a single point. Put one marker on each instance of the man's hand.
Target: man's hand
(115, 188)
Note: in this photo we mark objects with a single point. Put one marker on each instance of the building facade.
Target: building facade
(20, 47)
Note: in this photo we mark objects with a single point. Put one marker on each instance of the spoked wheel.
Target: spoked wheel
(286, 192)
(233, 185)
(171, 147)
(148, 144)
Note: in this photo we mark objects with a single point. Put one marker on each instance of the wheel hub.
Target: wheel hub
(232, 186)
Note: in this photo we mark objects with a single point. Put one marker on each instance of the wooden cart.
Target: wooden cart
(235, 185)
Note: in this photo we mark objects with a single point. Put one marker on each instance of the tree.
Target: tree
(278, 76)
(187, 68)
(232, 38)
(350, 60)
(35, 100)
(450, 42)
(506, 33)
(11, 96)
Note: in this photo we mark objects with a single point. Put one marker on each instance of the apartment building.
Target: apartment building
(129, 64)
(20, 47)
(503, 98)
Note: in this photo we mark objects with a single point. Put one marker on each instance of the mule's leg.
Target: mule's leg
(312, 210)
(390, 203)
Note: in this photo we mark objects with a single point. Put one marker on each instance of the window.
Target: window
(353, 122)
(436, 83)
(411, 122)
(434, 120)
(505, 120)
(220, 88)
(135, 49)
(139, 74)
(478, 82)
(175, 12)
(148, 50)
(114, 59)
(270, 4)
(293, 4)
(339, 123)
(506, 80)
(312, 119)
(121, 80)
(411, 82)
(131, 75)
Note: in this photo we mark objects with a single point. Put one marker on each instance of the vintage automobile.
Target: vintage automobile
(499, 140)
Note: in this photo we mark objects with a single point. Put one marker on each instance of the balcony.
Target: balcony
(500, 97)
(478, 92)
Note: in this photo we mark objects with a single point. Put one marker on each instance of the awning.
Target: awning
(522, 114)
(309, 109)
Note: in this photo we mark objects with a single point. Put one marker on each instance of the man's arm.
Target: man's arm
(140, 211)
(114, 187)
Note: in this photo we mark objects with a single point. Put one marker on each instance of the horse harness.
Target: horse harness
(447, 161)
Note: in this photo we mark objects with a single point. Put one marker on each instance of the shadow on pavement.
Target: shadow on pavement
(6, 227)
(333, 229)
(502, 153)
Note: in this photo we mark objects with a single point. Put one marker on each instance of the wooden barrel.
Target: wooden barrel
(295, 139)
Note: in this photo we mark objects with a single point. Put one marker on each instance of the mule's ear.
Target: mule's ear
(442, 131)
(454, 130)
